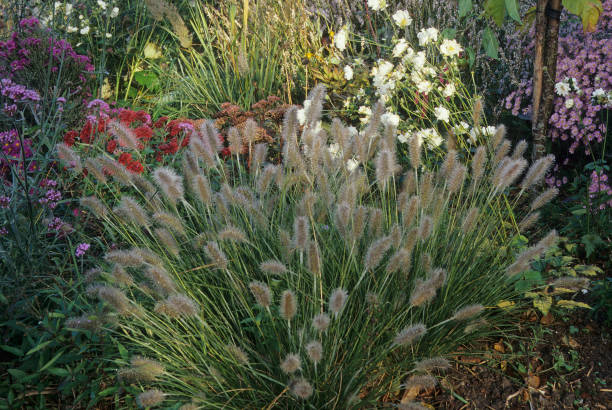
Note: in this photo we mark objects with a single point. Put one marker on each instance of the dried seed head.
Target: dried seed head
(249, 132)
(288, 305)
(470, 219)
(290, 124)
(337, 300)
(449, 163)
(191, 167)
(261, 292)
(124, 258)
(386, 167)
(118, 171)
(177, 305)
(427, 365)
(160, 279)
(410, 211)
(214, 253)
(426, 189)
(536, 172)
(528, 221)
(167, 241)
(201, 187)
(509, 173)
(478, 165)
(300, 232)
(501, 152)
(360, 216)
(421, 382)
(477, 112)
(121, 277)
(425, 227)
(115, 298)
(83, 322)
(570, 282)
(239, 355)
(409, 183)
(235, 140)
(259, 155)
(146, 369)
(125, 136)
(170, 222)
(273, 267)
(94, 205)
(266, 178)
(67, 155)
(468, 312)
(314, 258)
(314, 349)
(291, 364)
(411, 405)
(170, 183)
(376, 252)
(148, 256)
(544, 198)
(95, 168)
(376, 220)
(301, 388)
(132, 212)
(401, 260)
(92, 274)
(410, 334)
(455, 181)
(423, 293)
(414, 150)
(150, 398)
(519, 149)
(343, 216)
(321, 322)
(231, 233)
(474, 324)
(202, 149)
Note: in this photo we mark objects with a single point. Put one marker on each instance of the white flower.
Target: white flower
(152, 51)
(488, 131)
(102, 4)
(389, 118)
(562, 88)
(569, 103)
(340, 39)
(68, 8)
(424, 86)
(400, 47)
(598, 93)
(418, 60)
(352, 164)
(71, 29)
(402, 18)
(57, 5)
(449, 90)
(84, 30)
(377, 5)
(382, 70)
(427, 35)
(114, 12)
(348, 73)
(431, 136)
(366, 112)
(404, 138)
(301, 113)
(334, 150)
(450, 48)
(108, 35)
(461, 128)
(442, 114)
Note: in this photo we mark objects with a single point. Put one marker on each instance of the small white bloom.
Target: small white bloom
(71, 29)
(114, 12)
(352, 164)
(389, 118)
(488, 131)
(450, 48)
(424, 86)
(402, 18)
(400, 47)
(404, 138)
(442, 114)
(334, 150)
(377, 5)
(108, 35)
(102, 4)
(569, 103)
(431, 136)
(301, 116)
(348, 73)
(461, 128)
(562, 88)
(84, 30)
(427, 35)
(340, 39)
(68, 8)
(81, 17)
(419, 60)
(598, 93)
(449, 90)
(57, 5)
(366, 112)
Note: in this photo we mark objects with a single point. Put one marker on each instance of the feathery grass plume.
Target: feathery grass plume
(374, 123)
(141, 369)
(67, 155)
(411, 239)
(306, 204)
(396, 234)
(160, 9)
(235, 140)
(455, 181)
(376, 251)
(268, 175)
(528, 221)
(114, 297)
(386, 167)
(570, 282)
(291, 364)
(337, 300)
(376, 220)
(342, 217)
(421, 382)
(214, 253)
(118, 171)
(221, 205)
(92, 274)
(209, 135)
(360, 217)
(414, 151)
(261, 292)
(168, 243)
(314, 258)
(316, 97)
(121, 277)
(176, 306)
(426, 262)
(290, 124)
(475, 324)
(259, 155)
(500, 133)
(409, 183)
(191, 167)
(189, 406)
(544, 198)
(410, 334)
(321, 322)
(125, 136)
(237, 353)
(286, 245)
(170, 183)
(314, 349)
(519, 149)
(160, 278)
(425, 291)
(426, 189)
(468, 312)
(148, 256)
(301, 388)
(508, 173)
(249, 132)
(340, 134)
(95, 168)
(427, 365)
(232, 233)
(470, 220)
(94, 205)
(150, 398)
(547, 242)
(301, 232)
(200, 185)
(449, 163)
(288, 305)
(411, 405)
(425, 227)
(477, 112)
(125, 258)
(83, 322)
(202, 149)
(536, 172)
(401, 260)
(501, 152)
(169, 221)
(478, 165)
(389, 136)
(130, 209)
(273, 267)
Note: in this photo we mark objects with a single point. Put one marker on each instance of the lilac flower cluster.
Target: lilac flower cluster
(13, 152)
(51, 195)
(599, 186)
(81, 249)
(584, 83)
(13, 94)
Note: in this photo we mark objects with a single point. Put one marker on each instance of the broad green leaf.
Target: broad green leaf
(37, 348)
(543, 303)
(465, 6)
(20, 374)
(58, 371)
(571, 304)
(591, 243)
(512, 9)
(490, 44)
(13, 350)
(588, 10)
(496, 9)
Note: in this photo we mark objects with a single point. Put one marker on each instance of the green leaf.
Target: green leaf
(57, 371)
(123, 352)
(490, 43)
(449, 33)
(512, 9)
(50, 362)
(591, 243)
(471, 56)
(107, 392)
(146, 79)
(588, 10)
(465, 6)
(20, 374)
(496, 9)
(13, 350)
(37, 348)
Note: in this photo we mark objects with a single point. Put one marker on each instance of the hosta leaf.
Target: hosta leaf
(571, 304)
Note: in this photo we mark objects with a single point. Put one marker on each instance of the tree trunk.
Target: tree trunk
(546, 71)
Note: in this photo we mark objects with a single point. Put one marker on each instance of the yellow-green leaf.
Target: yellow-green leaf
(571, 304)
(543, 304)
(505, 304)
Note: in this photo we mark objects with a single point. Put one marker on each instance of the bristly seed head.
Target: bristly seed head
(427, 365)
(150, 398)
(410, 334)
(321, 322)
(291, 364)
(288, 305)
(301, 388)
(301, 232)
(262, 293)
(214, 253)
(314, 349)
(273, 267)
(468, 312)
(337, 300)
(176, 306)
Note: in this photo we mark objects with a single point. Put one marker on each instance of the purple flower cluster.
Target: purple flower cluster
(12, 94)
(584, 73)
(81, 249)
(598, 187)
(13, 152)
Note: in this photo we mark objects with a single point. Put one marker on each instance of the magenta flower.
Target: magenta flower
(81, 249)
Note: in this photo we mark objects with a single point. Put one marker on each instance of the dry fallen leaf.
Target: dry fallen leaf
(533, 381)
(410, 394)
(547, 319)
(499, 346)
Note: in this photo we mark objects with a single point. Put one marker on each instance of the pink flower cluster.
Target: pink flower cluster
(12, 94)
(599, 187)
(584, 63)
